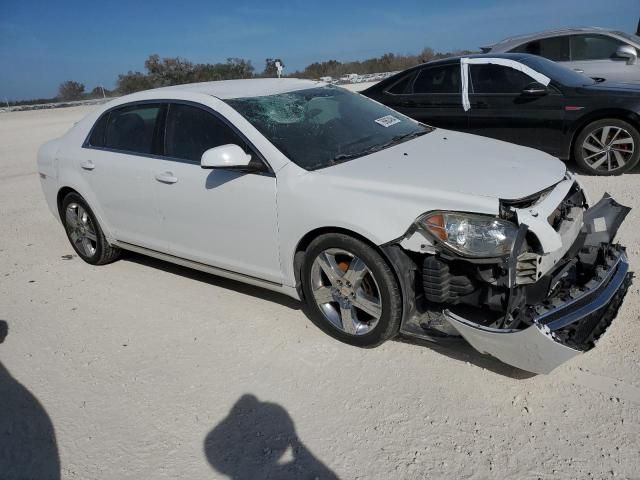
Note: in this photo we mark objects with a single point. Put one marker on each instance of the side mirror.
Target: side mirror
(535, 89)
(628, 52)
(225, 156)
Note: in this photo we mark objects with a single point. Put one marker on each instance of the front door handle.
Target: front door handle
(579, 70)
(166, 177)
(87, 165)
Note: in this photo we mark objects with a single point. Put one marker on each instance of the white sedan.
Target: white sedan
(380, 224)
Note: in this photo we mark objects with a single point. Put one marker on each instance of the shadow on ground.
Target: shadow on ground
(460, 350)
(457, 349)
(28, 448)
(258, 440)
(211, 279)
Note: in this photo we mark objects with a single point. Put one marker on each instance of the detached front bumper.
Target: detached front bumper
(540, 348)
(536, 309)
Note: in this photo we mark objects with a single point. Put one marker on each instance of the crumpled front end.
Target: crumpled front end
(551, 299)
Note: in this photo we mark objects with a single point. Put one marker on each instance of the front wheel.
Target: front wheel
(350, 291)
(608, 147)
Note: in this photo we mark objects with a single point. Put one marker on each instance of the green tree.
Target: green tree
(70, 90)
(131, 82)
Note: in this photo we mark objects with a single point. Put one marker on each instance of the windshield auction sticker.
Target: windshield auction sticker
(387, 121)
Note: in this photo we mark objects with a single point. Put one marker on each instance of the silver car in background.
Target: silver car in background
(596, 52)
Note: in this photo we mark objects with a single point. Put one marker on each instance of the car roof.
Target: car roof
(511, 56)
(226, 89)
(516, 40)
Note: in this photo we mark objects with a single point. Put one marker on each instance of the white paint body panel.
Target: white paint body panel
(252, 224)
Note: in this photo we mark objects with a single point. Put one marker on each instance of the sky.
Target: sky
(43, 43)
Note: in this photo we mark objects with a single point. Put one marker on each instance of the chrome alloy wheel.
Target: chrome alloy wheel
(608, 148)
(80, 229)
(346, 291)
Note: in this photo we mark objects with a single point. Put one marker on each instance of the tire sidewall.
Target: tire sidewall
(389, 322)
(75, 198)
(612, 122)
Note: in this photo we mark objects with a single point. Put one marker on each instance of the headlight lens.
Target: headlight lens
(470, 235)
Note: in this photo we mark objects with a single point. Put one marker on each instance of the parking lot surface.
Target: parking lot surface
(149, 370)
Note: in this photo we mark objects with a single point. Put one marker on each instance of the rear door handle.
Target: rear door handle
(166, 177)
(87, 165)
(579, 70)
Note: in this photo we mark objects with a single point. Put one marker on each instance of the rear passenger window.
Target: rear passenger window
(132, 128)
(190, 131)
(444, 79)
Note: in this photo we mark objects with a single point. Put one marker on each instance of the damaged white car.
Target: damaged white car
(381, 225)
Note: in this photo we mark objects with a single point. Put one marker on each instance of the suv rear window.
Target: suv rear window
(131, 128)
(554, 48)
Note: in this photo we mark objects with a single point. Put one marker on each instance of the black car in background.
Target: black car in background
(524, 99)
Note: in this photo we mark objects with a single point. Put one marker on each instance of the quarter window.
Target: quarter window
(593, 47)
(97, 133)
(444, 79)
(132, 128)
(401, 86)
(554, 48)
(490, 78)
(190, 131)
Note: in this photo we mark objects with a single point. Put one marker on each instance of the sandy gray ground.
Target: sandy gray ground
(150, 371)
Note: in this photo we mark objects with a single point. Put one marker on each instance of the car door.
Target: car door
(118, 164)
(500, 109)
(596, 56)
(224, 218)
(432, 96)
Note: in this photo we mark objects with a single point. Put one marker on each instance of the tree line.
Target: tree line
(161, 72)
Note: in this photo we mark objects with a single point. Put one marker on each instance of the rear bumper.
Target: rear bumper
(541, 347)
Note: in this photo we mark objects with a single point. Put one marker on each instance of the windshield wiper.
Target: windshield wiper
(376, 148)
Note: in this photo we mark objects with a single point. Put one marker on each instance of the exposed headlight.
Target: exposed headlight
(469, 234)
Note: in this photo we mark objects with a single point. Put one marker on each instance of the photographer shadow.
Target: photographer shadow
(28, 447)
(258, 440)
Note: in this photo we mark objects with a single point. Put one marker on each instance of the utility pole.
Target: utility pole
(103, 95)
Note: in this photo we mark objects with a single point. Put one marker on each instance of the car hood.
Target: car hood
(445, 160)
(614, 88)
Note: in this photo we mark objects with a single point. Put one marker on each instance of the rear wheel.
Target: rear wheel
(84, 232)
(608, 147)
(350, 291)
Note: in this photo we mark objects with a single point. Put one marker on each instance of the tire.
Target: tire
(371, 305)
(603, 144)
(84, 232)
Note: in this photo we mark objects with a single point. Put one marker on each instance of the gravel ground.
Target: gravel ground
(141, 369)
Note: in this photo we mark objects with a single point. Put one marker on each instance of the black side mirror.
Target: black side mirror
(535, 89)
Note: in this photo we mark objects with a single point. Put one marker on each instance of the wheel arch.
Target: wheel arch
(616, 113)
(66, 190)
(62, 193)
(307, 238)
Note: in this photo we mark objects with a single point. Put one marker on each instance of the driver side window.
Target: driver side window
(491, 78)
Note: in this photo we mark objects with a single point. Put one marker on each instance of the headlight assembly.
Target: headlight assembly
(470, 234)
